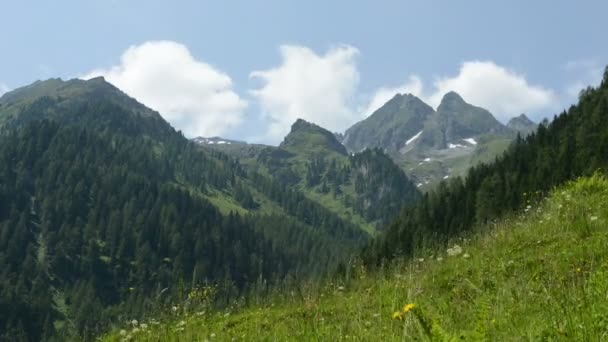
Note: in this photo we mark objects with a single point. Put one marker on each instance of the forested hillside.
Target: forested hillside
(574, 143)
(365, 188)
(106, 213)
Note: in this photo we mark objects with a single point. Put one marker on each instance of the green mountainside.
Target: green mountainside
(104, 206)
(364, 188)
(307, 140)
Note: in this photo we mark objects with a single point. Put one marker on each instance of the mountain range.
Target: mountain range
(429, 145)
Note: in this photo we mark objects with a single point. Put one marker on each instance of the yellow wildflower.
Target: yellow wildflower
(398, 315)
(409, 307)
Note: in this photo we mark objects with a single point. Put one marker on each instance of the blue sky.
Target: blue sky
(247, 69)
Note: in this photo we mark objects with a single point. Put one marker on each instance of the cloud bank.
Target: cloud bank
(316, 88)
(192, 95)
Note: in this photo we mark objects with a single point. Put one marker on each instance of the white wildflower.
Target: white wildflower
(466, 255)
(174, 308)
(421, 260)
(181, 323)
(135, 330)
(144, 326)
(212, 335)
(134, 322)
(593, 218)
(341, 288)
(123, 332)
(439, 259)
(454, 251)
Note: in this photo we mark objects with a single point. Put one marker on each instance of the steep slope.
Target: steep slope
(522, 124)
(105, 205)
(364, 188)
(540, 275)
(392, 127)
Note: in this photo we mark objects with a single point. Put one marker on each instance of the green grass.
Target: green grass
(337, 206)
(224, 203)
(539, 275)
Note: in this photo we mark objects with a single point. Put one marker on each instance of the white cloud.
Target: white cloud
(412, 86)
(317, 88)
(193, 96)
(503, 92)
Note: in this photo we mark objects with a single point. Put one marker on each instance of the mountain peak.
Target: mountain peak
(390, 126)
(308, 137)
(97, 79)
(456, 119)
(523, 117)
(64, 100)
(522, 124)
(452, 97)
(300, 124)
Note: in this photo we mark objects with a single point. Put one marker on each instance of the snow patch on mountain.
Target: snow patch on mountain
(412, 139)
(470, 141)
(211, 141)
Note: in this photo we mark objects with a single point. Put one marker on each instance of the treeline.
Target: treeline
(574, 144)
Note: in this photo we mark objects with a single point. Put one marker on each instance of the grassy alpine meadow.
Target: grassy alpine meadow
(539, 275)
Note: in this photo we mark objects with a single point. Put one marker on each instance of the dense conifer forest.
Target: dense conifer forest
(103, 216)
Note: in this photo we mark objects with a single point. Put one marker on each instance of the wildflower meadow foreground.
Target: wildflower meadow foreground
(539, 275)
